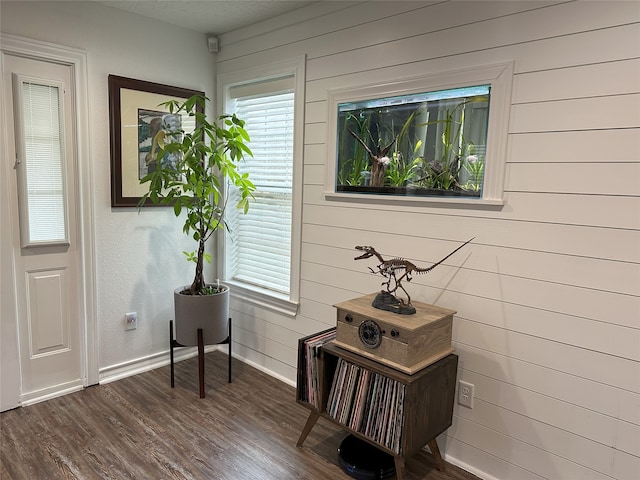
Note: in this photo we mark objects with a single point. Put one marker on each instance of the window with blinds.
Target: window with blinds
(40, 163)
(258, 247)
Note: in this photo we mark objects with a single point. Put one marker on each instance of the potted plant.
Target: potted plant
(192, 170)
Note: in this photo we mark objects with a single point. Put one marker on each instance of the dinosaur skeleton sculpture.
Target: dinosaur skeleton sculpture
(395, 271)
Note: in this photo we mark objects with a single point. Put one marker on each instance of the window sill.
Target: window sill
(462, 202)
(263, 298)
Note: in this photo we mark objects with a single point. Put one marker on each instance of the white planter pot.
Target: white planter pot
(208, 312)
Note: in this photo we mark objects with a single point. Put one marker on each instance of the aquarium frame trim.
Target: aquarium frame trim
(499, 76)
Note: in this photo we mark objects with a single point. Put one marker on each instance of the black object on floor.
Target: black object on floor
(363, 461)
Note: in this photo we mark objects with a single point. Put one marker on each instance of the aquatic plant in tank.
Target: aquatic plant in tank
(422, 144)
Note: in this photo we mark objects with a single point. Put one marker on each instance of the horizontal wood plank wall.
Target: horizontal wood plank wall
(548, 294)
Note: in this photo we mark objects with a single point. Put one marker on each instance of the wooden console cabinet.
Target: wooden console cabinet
(422, 412)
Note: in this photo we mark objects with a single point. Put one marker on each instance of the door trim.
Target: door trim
(76, 59)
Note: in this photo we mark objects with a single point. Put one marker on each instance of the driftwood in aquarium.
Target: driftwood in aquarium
(396, 270)
(378, 160)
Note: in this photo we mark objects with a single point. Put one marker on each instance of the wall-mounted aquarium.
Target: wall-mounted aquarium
(419, 144)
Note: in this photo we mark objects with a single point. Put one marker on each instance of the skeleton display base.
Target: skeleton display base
(390, 303)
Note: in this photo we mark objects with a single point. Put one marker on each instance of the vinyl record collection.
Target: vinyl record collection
(309, 388)
(368, 403)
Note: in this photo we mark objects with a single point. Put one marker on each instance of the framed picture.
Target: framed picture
(135, 116)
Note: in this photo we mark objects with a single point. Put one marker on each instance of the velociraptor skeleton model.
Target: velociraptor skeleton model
(398, 269)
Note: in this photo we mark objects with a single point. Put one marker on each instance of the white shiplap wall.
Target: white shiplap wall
(548, 295)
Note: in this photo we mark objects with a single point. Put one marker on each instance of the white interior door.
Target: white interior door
(44, 235)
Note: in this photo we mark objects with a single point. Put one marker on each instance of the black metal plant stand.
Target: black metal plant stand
(173, 343)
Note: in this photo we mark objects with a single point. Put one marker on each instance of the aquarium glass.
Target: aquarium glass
(419, 144)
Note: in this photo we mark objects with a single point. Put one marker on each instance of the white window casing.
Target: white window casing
(498, 77)
(262, 251)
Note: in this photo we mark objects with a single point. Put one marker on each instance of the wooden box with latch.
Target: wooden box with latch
(407, 343)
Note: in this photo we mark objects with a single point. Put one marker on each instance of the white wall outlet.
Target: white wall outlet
(465, 393)
(131, 321)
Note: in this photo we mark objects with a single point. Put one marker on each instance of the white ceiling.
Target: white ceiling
(208, 16)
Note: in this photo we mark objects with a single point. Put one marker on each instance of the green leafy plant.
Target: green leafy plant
(400, 173)
(202, 161)
(405, 162)
(350, 172)
(475, 168)
(442, 173)
(355, 158)
(426, 154)
(437, 178)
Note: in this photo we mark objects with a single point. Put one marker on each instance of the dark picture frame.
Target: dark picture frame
(134, 113)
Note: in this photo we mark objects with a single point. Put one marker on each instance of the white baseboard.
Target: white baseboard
(468, 468)
(264, 369)
(149, 362)
(50, 392)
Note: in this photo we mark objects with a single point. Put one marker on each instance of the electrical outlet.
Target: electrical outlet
(131, 321)
(465, 393)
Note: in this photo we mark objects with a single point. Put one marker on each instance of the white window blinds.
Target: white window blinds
(40, 164)
(259, 248)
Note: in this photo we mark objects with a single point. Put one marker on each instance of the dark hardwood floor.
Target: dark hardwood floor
(140, 428)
